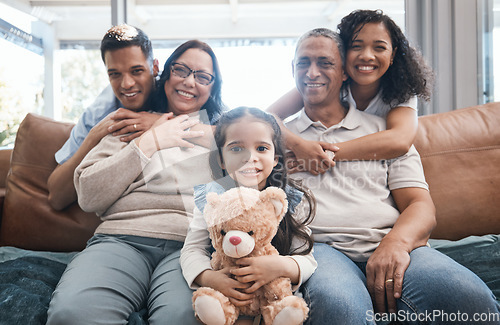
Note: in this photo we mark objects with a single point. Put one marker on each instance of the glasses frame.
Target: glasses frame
(191, 71)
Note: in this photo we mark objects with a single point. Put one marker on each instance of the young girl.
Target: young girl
(250, 154)
(386, 75)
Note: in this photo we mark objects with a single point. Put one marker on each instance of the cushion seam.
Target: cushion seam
(461, 150)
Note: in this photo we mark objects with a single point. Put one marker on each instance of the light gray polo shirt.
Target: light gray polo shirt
(355, 209)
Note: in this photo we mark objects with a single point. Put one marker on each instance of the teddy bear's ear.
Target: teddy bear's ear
(278, 206)
(278, 198)
(212, 198)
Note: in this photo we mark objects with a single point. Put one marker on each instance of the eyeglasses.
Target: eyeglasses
(183, 71)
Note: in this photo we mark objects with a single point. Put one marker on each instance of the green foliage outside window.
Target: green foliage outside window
(83, 77)
(15, 103)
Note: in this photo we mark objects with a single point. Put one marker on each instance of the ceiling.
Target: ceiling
(74, 20)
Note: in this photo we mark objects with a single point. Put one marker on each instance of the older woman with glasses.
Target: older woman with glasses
(143, 192)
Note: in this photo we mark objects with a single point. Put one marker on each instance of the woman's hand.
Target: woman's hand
(384, 274)
(167, 133)
(127, 121)
(261, 270)
(315, 157)
(222, 281)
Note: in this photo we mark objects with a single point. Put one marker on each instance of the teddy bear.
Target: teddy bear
(241, 223)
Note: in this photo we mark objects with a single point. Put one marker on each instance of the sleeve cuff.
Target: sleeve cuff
(307, 265)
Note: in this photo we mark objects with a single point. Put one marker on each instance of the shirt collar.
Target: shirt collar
(372, 105)
(351, 121)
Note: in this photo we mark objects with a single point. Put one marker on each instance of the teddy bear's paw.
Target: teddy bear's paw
(289, 316)
(290, 310)
(209, 310)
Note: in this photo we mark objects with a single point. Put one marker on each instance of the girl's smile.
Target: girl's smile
(248, 154)
(370, 55)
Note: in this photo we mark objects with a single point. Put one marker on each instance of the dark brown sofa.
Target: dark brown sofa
(28, 221)
(460, 152)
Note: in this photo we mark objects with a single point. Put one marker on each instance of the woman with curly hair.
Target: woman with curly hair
(385, 77)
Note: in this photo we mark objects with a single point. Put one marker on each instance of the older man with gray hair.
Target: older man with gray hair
(373, 217)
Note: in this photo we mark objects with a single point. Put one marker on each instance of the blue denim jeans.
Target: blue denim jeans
(117, 275)
(436, 290)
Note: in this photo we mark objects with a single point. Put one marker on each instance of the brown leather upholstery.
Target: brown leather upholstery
(4, 168)
(4, 165)
(28, 221)
(460, 151)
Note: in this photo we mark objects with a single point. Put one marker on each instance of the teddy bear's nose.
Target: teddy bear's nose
(235, 240)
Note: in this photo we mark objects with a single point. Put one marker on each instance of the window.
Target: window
(489, 40)
(495, 57)
(256, 70)
(21, 77)
(83, 77)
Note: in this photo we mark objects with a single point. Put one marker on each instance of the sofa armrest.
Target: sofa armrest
(5, 155)
(2, 199)
(28, 221)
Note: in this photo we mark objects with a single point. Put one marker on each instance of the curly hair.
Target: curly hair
(409, 75)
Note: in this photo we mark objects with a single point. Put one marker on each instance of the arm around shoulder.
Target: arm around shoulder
(106, 172)
(287, 105)
(395, 141)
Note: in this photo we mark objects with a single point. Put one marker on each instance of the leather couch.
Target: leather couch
(460, 151)
(27, 219)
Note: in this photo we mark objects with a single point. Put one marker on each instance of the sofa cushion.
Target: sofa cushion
(28, 221)
(26, 285)
(460, 152)
(480, 254)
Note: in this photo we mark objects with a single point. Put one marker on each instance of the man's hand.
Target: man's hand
(387, 265)
(384, 274)
(126, 121)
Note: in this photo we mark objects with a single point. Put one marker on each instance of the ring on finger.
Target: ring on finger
(135, 126)
(389, 281)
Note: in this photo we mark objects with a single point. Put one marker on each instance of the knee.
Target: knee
(473, 294)
(173, 314)
(451, 291)
(338, 305)
(184, 316)
(63, 312)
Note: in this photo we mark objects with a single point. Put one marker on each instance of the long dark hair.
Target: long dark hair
(289, 226)
(409, 75)
(214, 105)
